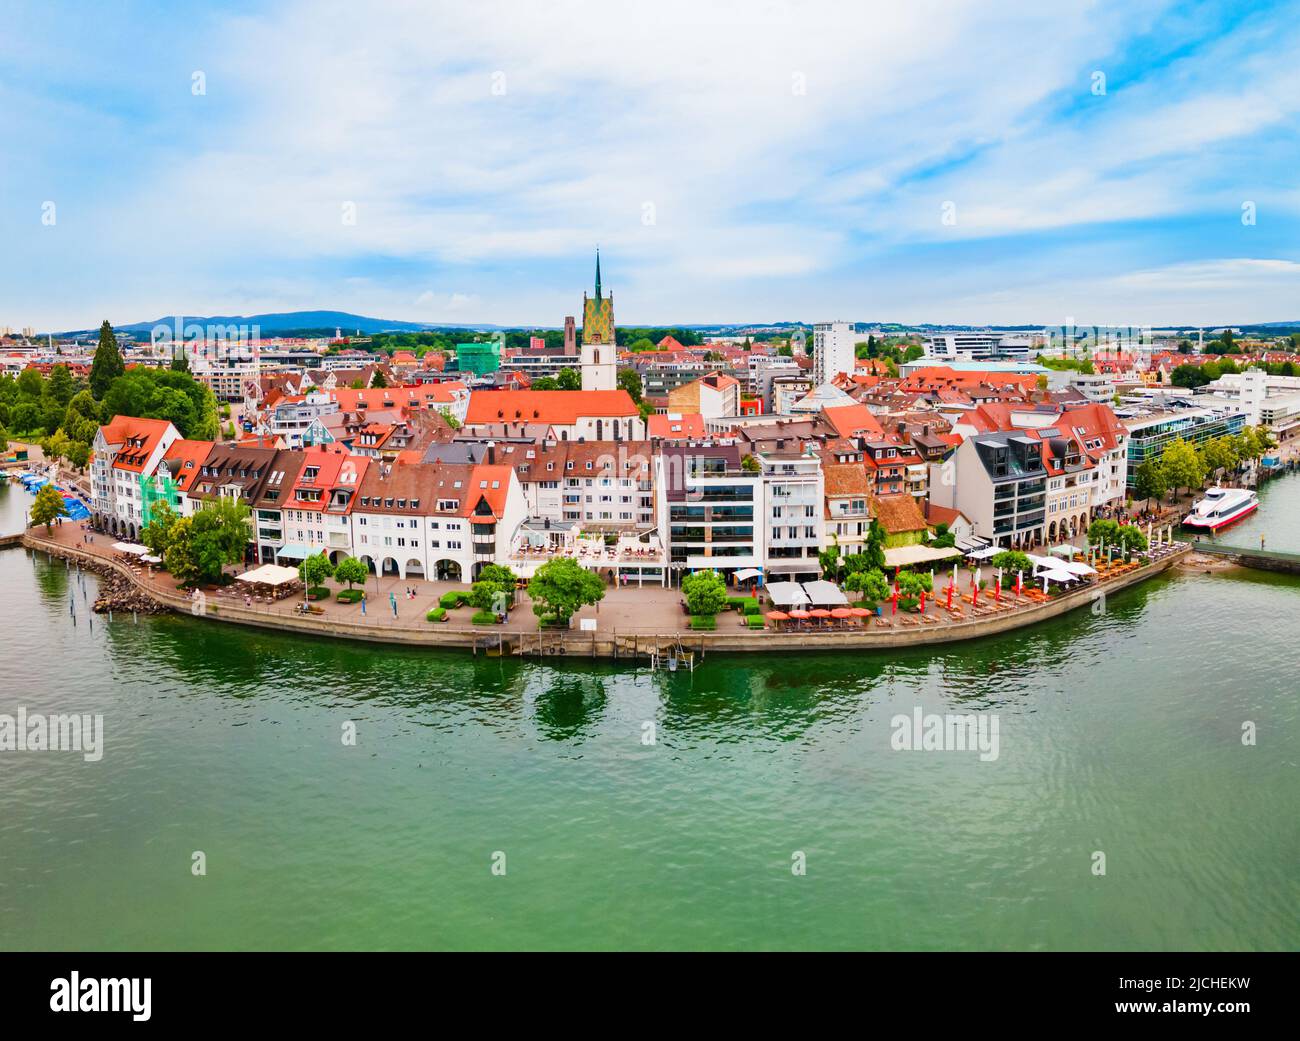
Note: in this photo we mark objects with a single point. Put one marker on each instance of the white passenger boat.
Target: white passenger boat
(1221, 507)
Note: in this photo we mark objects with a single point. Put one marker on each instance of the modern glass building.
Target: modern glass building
(1149, 435)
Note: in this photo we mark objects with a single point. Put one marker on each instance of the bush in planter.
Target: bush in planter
(752, 608)
(704, 622)
(318, 593)
(483, 618)
(754, 621)
(908, 603)
(437, 614)
(870, 605)
(452, 600)
(349, 596)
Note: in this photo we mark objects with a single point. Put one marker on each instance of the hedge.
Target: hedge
(870, 605)
(754, 621)
(908, 603)
(318, 593)
(483, 618)
(349, 596)
(454, 599)
(437, 614)
(703, 621)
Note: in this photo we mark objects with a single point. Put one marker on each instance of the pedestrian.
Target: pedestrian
(1261, 542)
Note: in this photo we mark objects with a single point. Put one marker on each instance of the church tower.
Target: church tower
(599, 350)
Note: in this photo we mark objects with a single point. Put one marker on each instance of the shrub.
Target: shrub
(754, 621)
(908, 603)
(318, 593)
(870, 605)
(704, 621)
(752, 607)
(483, 618)
(437, 614)
(349, 596)
(453, 599)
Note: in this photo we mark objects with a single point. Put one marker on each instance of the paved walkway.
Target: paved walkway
(650, 610)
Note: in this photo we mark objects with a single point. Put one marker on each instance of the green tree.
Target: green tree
(943, 538)
(1182, 465)
(1103, 533)
(562, 586)
(1149, 480)
(493, 580)
(60, 386)
(1189, 376)
(314, 570)
(749, 464)
(871, 584)
(350, 570)
(1011, 562)
(705, 592)
(108, 364)
(157, 533)
(49, 504)
(914, 583)
(378, 380)
(1219, 454)
(630, 381)
(875, 548)
(1129, 537)
(30, 384)
(569, 379)
(203, 544)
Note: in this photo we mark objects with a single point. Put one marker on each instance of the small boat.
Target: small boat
(1221, 507)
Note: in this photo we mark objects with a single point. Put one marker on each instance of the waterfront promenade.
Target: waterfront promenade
(628, 622)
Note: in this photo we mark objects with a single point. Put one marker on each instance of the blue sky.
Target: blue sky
(735, 161)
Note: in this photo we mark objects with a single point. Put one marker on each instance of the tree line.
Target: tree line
(62, 412)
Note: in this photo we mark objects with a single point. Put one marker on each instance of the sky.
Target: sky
(1132, 163)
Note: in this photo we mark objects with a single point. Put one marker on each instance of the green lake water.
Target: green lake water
(1119, 732)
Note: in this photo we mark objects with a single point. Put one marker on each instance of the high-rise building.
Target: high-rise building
(599, 349)
(833, 351)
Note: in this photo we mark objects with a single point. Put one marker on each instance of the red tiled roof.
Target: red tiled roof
(853, 421)
(562, 407)
(184, 458)
(676, 425)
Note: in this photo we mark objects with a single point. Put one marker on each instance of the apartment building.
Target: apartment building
(126, 454)
(998, 481)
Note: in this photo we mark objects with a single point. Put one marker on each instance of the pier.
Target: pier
(1260, 559)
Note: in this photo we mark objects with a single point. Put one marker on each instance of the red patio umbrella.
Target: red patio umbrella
(777, 616)
(860, 612)
(798, 614)
(842, 612)
(820, 612)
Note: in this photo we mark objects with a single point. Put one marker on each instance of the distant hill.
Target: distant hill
(293, 321)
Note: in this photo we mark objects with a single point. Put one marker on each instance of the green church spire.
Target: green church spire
(597, 272)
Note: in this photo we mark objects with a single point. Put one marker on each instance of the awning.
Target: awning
(824, 594)
(1057, 575)
(746, 573)
(1064, 551)
(983, 553)
(298, 551)
(131, 547)
(906, 556)
(149, 559)
(787, 594)
(1076, 567)
(793, 567)
(269, 575)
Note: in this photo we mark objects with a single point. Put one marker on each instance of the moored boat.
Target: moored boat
(1220, 507)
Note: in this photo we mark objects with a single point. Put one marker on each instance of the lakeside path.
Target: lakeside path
(629, 621)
